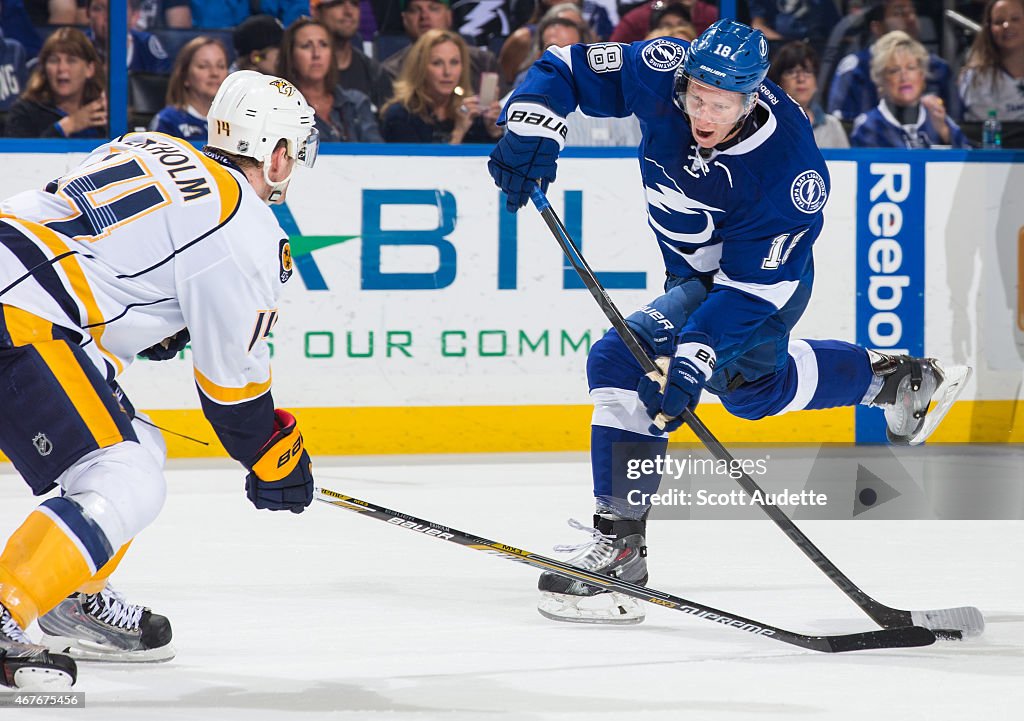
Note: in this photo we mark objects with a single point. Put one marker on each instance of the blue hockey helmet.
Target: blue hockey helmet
(728, 55)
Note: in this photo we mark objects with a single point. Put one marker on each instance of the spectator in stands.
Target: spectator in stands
(355, 70)
(220, 14)
(13, 71)
(154, 14)
(17, 25)
(307, 60)
(199, 70)
(257, 44)
(485, 22)
(558, 28)
(795, 70)
(287, 11)
(65, 95)
(667, 18)
(905, 116)
(52, 12)
(145, 52)
(993, 77)
(635, 24)
(419, 16)
(853, 92)
(524, 46)
(434, 100)
(809, 20)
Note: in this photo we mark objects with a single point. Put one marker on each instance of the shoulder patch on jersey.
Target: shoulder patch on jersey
(287, 264)
(156, 48)
(604, 57)
(662, 55)
(808, 192)
(847, 64)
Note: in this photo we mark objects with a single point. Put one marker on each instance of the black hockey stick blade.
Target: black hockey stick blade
(887, 638)
(952, 622)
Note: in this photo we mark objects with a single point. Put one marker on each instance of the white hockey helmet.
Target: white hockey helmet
(252, 112)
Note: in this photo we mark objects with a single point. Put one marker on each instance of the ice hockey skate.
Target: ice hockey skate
(904, 387)
(105, 626)
(616, 548)
(28, 666)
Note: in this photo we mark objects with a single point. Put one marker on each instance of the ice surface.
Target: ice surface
(327, 615)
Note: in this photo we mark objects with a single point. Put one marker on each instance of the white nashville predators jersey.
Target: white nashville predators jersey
(145, 237)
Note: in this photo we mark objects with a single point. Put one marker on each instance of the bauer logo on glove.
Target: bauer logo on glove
(282, 474)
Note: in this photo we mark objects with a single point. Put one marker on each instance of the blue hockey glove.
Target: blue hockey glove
(517, 162)
(658, 323)
(693, 364)
(168, 347)
(282, 473)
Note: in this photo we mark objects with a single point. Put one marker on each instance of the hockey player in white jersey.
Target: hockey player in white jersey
(147, 243)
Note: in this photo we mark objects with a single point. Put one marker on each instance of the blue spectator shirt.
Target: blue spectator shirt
(879, 128)
(17, 25)
(12, 71)
(287, 11)
(145, 52)
(797, 19)
(853, 92)
(221, 14)
(187, 124)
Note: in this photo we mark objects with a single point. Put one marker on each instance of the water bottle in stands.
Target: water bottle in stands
(992, 132)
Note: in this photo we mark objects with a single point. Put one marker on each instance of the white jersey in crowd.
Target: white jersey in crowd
(981, 92)
(146, 237)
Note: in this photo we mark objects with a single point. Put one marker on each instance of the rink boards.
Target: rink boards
(422, 317)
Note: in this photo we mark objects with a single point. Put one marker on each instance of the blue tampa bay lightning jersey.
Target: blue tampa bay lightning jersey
(746, 215)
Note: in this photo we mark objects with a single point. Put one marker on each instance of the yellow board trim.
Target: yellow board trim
(510, 429)
(64, 365)
(223, 394)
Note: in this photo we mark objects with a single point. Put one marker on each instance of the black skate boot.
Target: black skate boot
(904, 387)
(617, 548)
(28, 666)
(104, 626)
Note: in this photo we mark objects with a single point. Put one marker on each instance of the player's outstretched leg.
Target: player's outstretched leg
(621, 449)
(105, 626)
(28, 666)
(904, 387)
(616, 548)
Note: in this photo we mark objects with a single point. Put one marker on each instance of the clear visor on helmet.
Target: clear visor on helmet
(306, 152)
(712, 105)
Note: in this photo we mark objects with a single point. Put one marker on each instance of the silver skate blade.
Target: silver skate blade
(98, 653)
(966, 619)
(610, 609)
(953, 384)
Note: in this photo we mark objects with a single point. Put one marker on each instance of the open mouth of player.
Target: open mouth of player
(704, 134)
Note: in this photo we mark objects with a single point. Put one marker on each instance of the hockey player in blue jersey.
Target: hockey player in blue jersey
(735, 188)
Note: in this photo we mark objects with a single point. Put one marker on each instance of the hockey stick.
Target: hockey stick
(963, 620)
(887, 638)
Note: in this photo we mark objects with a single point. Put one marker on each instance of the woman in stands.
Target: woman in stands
(517, 51)
(904, 117)
(993, 78)
(199, 70)
(795, 70)
(434, 101)
(343, 115)
(65, 95)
